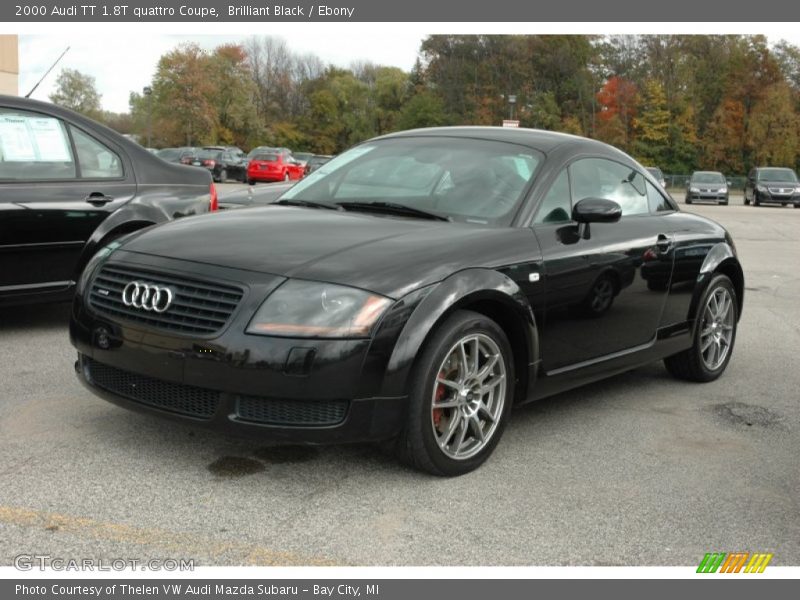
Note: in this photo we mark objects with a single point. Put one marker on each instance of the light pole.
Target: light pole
(148, 92)
(512, 100)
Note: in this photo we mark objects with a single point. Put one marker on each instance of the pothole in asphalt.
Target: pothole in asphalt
(747, 415)
(235, 466)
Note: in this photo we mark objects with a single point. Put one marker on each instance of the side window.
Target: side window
(34, 146)
(602, 178)
(657, 201)
(556, 206)
(95, 159)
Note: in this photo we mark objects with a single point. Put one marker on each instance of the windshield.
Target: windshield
(205, 154)
(468, 180)
(783, 175)
(708, 177)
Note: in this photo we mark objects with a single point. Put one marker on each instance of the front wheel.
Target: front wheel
(714, 335)
(461, 391)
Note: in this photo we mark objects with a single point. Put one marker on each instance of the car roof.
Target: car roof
(538, 139)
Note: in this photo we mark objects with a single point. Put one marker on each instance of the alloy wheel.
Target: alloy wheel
(716, 331)
(468, 396)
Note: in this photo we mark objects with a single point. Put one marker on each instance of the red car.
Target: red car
(274, 167)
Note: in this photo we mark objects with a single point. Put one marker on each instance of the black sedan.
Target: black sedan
(367, 304)
(773, 185)
(223, 164)
(707, 186)
(68, 186)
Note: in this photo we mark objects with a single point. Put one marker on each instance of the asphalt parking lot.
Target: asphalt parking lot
(636, 470)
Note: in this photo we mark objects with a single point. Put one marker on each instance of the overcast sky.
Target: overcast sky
(124, 63)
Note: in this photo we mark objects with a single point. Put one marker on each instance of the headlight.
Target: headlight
(723, 190)
(99, 256)
(318, 310)
(694, 190)
(761, 188)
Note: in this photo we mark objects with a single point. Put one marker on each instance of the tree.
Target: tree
(424, 109)
(724, 138)
(618, 100)
(652, 125)
(774, 124)
(232, 97)
(77, 91)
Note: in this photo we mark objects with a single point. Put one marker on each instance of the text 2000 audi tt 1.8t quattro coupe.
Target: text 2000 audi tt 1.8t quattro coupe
(412, 290)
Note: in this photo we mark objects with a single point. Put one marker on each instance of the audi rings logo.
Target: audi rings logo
(147, 296)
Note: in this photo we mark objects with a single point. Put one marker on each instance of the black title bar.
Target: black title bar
(451, 11)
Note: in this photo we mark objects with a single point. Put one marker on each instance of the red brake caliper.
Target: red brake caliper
(440, 393)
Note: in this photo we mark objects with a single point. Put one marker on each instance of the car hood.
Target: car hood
(780, 184)
(383, 254)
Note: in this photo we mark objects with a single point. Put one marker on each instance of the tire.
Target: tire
(251, 181)
(797, 205)
(724, 203)
(698, 363)
(688, 201)
(783, 203)
(427, 441)
(223, 176)
(755, 199)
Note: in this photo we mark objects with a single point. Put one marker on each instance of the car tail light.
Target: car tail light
(209, 163)
(213, 204)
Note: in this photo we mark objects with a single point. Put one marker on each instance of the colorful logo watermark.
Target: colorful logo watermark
(734, 562)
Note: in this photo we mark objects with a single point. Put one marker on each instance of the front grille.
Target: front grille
(308, 413)
(173, 397)
(781, 191)
(198, 307)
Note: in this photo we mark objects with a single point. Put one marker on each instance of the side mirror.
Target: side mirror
(596, 210)
(729, 182)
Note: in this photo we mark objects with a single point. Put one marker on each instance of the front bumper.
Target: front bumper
(707, 197)
(304, 421)
(279, 389)
(770, 197)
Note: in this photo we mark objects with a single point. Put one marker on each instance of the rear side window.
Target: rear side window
(95, 159)
(34, 147)
(555, 206)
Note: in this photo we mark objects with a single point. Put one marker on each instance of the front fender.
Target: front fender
(720, 259)
(478, 289)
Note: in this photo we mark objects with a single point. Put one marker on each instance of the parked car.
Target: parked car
(368, 305)
(267, 150)
(658, 175)
(302, 158)
(70, 186)
(183, 155)
(222, 164)
(772, 185)
(707, 186)
(316, 161)
(277, 166)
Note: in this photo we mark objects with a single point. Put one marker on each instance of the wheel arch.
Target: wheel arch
(484, 291)
(720, 259)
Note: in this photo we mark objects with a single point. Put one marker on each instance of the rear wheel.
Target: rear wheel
(461, 392)
(714, 335)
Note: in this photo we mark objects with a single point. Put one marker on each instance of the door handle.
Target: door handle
(98, 198)
(663, 243)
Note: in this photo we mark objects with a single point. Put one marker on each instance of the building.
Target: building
(9, 65)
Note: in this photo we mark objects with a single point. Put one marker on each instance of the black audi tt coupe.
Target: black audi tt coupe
(411, 290)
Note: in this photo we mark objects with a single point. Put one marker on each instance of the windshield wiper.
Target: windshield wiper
(307, 203)
(393, 208)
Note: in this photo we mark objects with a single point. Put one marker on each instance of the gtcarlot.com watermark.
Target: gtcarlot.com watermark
(42, 562)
